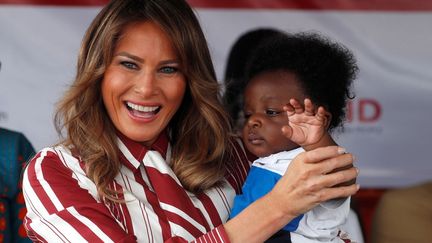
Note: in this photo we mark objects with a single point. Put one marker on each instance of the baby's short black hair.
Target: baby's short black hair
(238, 57)
(324, 69)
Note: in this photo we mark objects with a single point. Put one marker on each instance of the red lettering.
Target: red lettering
(369, 110)
(363, 110)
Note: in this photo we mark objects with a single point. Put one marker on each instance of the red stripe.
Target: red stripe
(56, 2)
(79, 226)
(35, 183)
(220, 230)
(210, 208)
(379, 5)
(175, 218)
(69, 193)
(343, 5)
(169, 192)
(99, 214)
(154, 202)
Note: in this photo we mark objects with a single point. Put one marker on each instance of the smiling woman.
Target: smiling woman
(148, 154)
(143, 86)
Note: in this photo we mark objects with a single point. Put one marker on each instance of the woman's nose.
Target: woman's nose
(145, 84)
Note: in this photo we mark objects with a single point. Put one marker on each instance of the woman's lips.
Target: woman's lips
(142, 112)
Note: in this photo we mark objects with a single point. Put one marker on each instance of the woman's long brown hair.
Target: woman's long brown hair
(200, 130)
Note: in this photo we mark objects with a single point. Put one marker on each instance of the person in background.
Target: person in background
(404, 215)
(283, 71)
(148, 154)
(238, 57)
(15, 150)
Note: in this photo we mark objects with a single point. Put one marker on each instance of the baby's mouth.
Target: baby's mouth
(255, 139)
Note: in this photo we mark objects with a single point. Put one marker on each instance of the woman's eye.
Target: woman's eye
(129, 65)
(272, 112)
(168, 70)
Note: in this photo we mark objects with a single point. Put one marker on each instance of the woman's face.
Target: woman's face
(143, 86)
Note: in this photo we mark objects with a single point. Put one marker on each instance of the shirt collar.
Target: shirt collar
(133, 152)
(283, 155)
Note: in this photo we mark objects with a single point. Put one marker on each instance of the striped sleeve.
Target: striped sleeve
(62, 203)
(216, 235)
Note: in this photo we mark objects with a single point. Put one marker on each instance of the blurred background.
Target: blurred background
(388, 126)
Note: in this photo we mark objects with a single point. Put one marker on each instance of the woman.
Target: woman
(147, 156)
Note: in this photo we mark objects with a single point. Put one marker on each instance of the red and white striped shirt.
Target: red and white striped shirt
(63, 204)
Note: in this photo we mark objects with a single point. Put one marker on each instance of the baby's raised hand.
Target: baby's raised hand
(306, 125)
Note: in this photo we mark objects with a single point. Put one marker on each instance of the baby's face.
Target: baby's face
(265, 96)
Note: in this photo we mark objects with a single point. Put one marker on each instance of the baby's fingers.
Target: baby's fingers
(289, 110)
(297, 106)
(309, 107)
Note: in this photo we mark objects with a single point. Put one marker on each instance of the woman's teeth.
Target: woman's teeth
(142, 108)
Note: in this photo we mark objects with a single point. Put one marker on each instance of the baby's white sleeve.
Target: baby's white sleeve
(322, 223)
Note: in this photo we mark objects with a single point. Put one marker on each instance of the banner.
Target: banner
(388, 122)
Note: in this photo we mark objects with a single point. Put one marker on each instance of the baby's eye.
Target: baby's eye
(168, 70)
(129, 65)
(246, 115)
(272, 112)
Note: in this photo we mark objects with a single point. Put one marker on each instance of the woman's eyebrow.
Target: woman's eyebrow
(172, 61)
(139, 59)
(125, 54)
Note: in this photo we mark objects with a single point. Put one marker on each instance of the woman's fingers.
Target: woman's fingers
(336, 192)
(314, 177)
(322, 153)
(336, 178)
(337, 163)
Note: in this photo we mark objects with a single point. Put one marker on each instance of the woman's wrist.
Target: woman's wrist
(258, 222)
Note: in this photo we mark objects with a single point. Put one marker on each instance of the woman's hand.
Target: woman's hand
(306, 184)
(311, 179)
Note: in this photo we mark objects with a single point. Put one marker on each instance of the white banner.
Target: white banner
(389, 123)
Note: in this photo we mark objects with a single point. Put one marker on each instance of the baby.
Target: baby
(284, 71)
